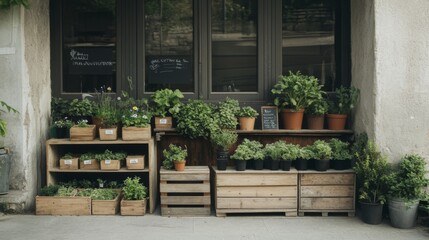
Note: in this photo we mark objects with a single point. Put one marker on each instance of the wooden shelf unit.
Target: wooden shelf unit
(55, 148)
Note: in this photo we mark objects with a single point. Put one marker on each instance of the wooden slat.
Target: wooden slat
(326, 203)
(82, 134)
(133, 208)
(185, 188)
(327, 179)
(288, 212)
(266, 191)
(327, 191)
(256, 179)
(187, 177)
(185, 200)
(105, 207)
(262, 203)
(75, 206)
(203, 211)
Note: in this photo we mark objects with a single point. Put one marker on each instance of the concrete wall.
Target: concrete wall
(25, 84)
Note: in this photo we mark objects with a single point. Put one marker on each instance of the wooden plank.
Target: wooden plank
(183, 212)
(185, 188)
(133, 207)
(153, 175)
(185, 200)
(252, 203)
(327, 191)
(82, 134)
(238, 179)
(288, 212)
(251, 191)
(105, 207)
(187, 177)
(327, 179)
(135, 133)
(67, 206)
(326, 203)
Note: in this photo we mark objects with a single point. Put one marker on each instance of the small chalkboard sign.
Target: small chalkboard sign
(269, 118)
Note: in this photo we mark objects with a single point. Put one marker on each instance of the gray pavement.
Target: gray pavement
(153, 226)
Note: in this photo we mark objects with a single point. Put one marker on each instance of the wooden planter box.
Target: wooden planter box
(135, 162)
(89, 164)
(82, 134)
(113, 165)
(69, 164)
(106, 207)
(136, 134)
(67, 206)
(165, 122)
(108, 134)
(133, 207)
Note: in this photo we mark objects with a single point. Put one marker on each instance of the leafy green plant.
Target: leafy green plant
(409, 179)
(4, 107)
(63, 123)
(104, 194)
(84, 183)
(306, 153)
(86, 192)
(226, 113)
(372, 173)
(133, 189)
(296, 91)
(87, 156)
(345, 100)
(67, 156)
(321, 150)
(50, 190)
(109, 155)
(280, 150)
(80, 108)
(173, 154)
(224, 139)
(136, 117)
(6, 4)
(106, 110)
(318, 107)
(82, 124)
(64, 191)
(165, 100)
(340, 149)
(249, 150)
(59, 109)
(247, 111)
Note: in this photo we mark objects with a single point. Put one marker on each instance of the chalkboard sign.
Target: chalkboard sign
(91, 60)
(269, 117)
(169, 69)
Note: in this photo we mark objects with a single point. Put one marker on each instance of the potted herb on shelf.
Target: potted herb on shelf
(406, 189)
(274, 151)
(322, 154)
(82, 131)
(223, 141)
(88, 162)
(61, 128)
(293, 93)
(341, 156)
(226, 113)
(69, 162)
(372, 171)
(291, 153)
(248, 150)
(164, 101)
(104, 201)
(304, 156)
(247, 116)
(134, 200)
(136, 124)
(175, 155)
(110, 160)
(316, 114)
(345, 101)
(80, 109)
(107, 116)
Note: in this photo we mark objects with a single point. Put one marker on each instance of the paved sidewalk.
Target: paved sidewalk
(153, 226)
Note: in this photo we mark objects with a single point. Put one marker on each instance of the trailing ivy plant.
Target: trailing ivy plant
(6, 4)
(133, 189)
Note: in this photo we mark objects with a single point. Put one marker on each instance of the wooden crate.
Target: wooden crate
(185, 193)
(69, 164)
(91, 164)
(66, 206)
(133, 207)
(82, 134)
(108, 134)
(327, 192)
(162, 123)
(256, 191)
(136, 133)
(112, 165)
(106, 207)
(135, 162)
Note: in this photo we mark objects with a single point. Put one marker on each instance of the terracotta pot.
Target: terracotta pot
(336, 121)
(292, 120)
(247, 123)
(179, 165)
(315, 122)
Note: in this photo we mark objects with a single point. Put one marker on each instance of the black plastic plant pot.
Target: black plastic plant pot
(371, 213)
(249, 164)
(301, 164)
(286, 165)
(267, 163)
(321, 165)
(275, 164)
(240, 165)
(311, 164)
(221, 164)
(258, 164)
(340, 164)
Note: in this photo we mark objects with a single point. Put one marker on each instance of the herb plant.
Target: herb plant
(104, 194)
(67, 156)
(133, 189)
(136, 117)
(50, 190)
(173, 154)
(226, 113)
(321, 150)
(165, 100)
(87, 156)
(224, 139)
(340, 149)
(345, 100)
(82, 123)
(80, 108)
(318, 107)
(247, 111)
(249, 150)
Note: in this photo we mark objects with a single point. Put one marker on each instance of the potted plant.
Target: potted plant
(110, 160)
(82, 131)
(246, 117)
(5, 157)
(293, 93)
(175, 155)
(226, 113)
(247, 150)
(274, 151)
(345, 101)
(104, 201)
(406, 189)
(322, 154)
(106, 115)
(291, 153)
(316, 113)
(136, 124)
(372, 171)
(304, 155)
(164, 101)
(69, 162)
(223, 141)
(61, 128)
(88, 162)
(80, 109)
(341, 156)
(134, 200)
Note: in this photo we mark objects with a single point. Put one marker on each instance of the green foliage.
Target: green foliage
(173, 154)
(340, 149)
(247, 111)
(296, 91)
(137, 117)
(372, 171)
(104, 194)
(226, 112)
(67, 156)
(4, 107)
(59, 109)
(345, 100)
(360, 143)
(80, 108)
(84, 183)
(106, 110)
(318, 107)
(321, 150)
(224, 139)
(64, 191)
(63, 123)
(82, 123)
(87, 156)
(196, 119)
(109, 155)
(6, 4)
(165, 100)
(249, 150)
(84, 192)
(280, 150)
(133, 189)
(50, 190)
(409, 180)
(306, 153)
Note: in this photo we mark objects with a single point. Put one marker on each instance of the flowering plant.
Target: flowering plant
(82, 123)
(63, 123)
(137, 117)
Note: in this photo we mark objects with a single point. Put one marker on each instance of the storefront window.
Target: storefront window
(234, 46)
(308, 42)
(169, 45)
(89, 45)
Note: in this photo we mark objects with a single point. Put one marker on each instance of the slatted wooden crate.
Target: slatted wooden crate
(327, 192)
(65, 206)
(256, 191)
(185, 193)
(106, 207)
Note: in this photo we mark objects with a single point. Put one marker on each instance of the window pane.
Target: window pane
(309, 39)
(89, 45)
(234, 46)
(169, 45)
